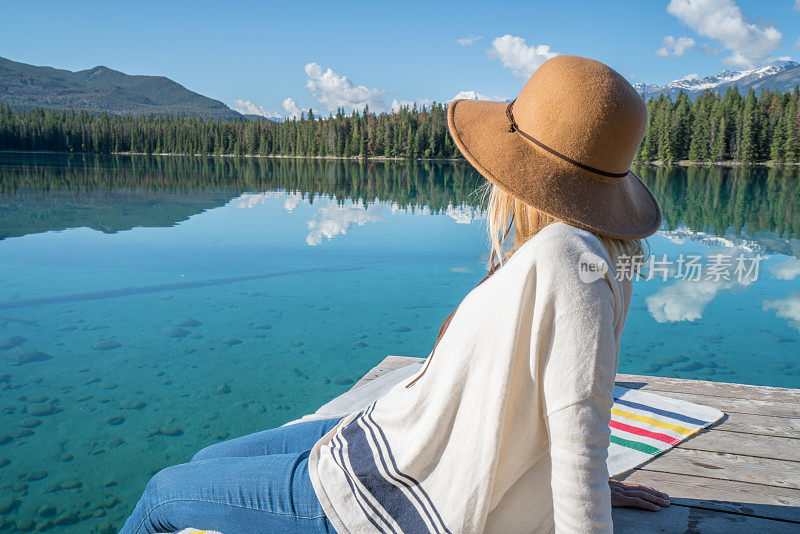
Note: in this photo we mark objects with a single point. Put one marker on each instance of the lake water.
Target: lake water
(153, 306)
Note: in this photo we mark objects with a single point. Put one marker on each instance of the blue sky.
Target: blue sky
(264, 53)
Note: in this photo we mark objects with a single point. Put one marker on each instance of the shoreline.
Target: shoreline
(682, 163)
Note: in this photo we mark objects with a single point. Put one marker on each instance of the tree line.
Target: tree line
(763, 127)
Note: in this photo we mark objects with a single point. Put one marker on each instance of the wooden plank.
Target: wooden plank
(727, 405)
(728, 495)
(718, 389)
(677, 519)
(757, 445)
(760, 424)
(390, 363)
(718, 465)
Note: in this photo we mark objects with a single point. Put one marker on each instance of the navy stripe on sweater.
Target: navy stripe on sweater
(391, 497)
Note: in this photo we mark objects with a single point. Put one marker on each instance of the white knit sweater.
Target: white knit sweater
(507, 429)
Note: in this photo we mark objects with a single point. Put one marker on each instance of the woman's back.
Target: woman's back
(530, 344)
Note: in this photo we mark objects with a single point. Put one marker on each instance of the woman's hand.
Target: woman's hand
(624, 494)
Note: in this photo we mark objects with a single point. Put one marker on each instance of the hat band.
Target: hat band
(514, 128)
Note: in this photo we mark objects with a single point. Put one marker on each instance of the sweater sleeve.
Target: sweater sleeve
(577, 385)
(579, 481)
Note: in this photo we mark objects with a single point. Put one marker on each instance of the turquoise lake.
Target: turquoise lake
(152, 306)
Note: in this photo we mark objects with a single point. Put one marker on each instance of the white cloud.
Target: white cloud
(687, 299)
(292, 201)
(245, 107)
(463, 214)
(749, 43)
(786, 270)
(691, 77)
(514, 54)
(469, 41)
(788, 308)
(334, 219)
(671, 46)
(684, 300)
(334, 91)
(291, 108)
(797, 5)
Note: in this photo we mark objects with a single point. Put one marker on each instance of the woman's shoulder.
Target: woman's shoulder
(560, 240)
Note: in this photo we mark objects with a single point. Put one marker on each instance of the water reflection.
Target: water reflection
(747, 206)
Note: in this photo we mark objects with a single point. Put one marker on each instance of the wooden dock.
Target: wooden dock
(739, 475)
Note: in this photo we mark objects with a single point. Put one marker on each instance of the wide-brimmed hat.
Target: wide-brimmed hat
(565, 146)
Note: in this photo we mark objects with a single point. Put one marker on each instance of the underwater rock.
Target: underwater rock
(38, 399)
(300, 373)
(31, 357)
(44, 525)
(43, 409)
(48, 510)
(11, 342)
(25, 433)
(224, 389)
(694, 366)
(298, 343)
(109, 503)
(66, 457)
(132, 404)
(361, 344)
(175, 332)
(29, 422)
(323, 308)
(672, 360)
(168, 430)
(264, 326)
(188, 322)
(36, 475)
(114, 443)
(109, 344)
(342, 381)
(26, 525)
(67, 518)
(8, 506)
(231, 342)
(114, 421)
(401, 329)
(70, 484)
(5, 439)
(4, 462)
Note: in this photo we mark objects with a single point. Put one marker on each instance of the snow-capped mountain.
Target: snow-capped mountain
(475, 95)
(780, 75)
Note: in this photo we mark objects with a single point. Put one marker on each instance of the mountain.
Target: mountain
(778, 76)
(24, 86)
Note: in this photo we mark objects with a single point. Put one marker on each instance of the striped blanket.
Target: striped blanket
(645, 424)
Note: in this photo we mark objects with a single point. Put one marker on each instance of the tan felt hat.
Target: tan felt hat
(565, 146)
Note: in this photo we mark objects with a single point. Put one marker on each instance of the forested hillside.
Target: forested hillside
(712, 128)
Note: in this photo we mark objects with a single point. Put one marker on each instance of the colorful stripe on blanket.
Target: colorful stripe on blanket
(645, 424)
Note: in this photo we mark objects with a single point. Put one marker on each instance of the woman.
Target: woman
(505, 428)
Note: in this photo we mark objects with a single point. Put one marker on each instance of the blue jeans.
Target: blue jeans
(256, 483)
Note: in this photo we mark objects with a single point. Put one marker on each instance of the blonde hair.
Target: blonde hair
(504, 211)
